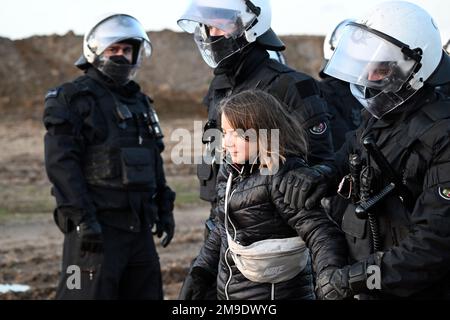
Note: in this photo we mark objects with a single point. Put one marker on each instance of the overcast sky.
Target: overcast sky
(21, 19)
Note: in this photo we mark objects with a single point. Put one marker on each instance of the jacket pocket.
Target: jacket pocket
(137, 167)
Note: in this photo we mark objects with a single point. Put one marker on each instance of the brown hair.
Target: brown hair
(258, 110)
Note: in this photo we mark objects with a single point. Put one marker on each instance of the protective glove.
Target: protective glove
(165, 224)
(90, 234)
(344, 283)
(304, 187)
(332, 284)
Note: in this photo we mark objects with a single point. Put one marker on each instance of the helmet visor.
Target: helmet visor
(227, 20)
(116, 29)
(380, 103)
(214, 50)
(366, 59)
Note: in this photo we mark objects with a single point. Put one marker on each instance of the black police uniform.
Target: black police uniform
(102, 155)
(411, 224)
(253, 69)
(345, 110)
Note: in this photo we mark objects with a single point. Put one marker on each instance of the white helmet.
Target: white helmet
(330, 43)
(108, 31)
(242, 21)
(332, 38)
(388, 55)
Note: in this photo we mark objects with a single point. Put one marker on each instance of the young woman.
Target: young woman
(259, 248)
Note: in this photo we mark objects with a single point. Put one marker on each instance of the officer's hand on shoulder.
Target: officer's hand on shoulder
(304, 187)
(90, 233)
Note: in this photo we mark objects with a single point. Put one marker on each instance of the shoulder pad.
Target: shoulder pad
(305, 86)
(423, 125)
(67, 91)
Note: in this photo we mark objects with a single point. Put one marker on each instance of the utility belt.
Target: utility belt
(267, 261)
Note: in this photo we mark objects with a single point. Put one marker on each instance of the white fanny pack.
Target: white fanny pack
(267, 261)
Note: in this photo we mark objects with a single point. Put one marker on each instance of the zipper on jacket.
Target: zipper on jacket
(227, 218)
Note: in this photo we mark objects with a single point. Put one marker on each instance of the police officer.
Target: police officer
(396, 166)
(233, 38)
(102, 155)
(343, 106)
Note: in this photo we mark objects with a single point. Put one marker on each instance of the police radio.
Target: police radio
(153, 123)
(152, 120)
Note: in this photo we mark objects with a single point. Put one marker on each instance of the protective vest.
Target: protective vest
(126, 158)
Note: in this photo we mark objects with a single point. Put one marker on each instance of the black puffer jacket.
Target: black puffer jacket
(258, 212)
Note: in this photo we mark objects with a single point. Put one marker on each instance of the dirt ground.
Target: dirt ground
(31, 247)
(31, 244)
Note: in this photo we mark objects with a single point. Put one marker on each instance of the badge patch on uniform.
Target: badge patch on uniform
(53, 93)
(444, 193)
(319, 129)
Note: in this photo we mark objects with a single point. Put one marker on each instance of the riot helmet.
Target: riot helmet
(240, 22)
(116, 29)
(388, 55)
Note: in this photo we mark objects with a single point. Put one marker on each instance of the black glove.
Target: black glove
(332, 284)
(90, 233)
(165, 224)
(344, 283)
(306, 186)
(196, 284)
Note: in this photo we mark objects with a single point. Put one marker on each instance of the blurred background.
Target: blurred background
(40, 41)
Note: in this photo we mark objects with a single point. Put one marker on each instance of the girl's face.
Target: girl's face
(236, 145)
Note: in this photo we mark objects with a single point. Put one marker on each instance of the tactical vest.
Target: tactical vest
(126, 160)
(409, 154)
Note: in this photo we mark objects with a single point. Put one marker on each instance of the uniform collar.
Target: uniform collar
(240, 67)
